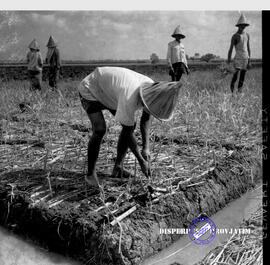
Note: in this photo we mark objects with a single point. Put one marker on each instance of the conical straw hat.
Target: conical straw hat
(242, 21)
(160, 98)
(34, 45)
(178, 31)
(51, 42)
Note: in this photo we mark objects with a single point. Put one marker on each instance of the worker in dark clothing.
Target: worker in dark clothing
(53, 59)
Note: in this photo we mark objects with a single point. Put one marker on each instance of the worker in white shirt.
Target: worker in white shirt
(176, 56)
(123, 92)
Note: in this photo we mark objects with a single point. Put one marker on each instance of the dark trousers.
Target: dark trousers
(241, 80)
(35, 79)
(53, 76)
(178, 70)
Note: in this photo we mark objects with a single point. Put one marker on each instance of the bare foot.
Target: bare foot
(92, 180)
(119, 172)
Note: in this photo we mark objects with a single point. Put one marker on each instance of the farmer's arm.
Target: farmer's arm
(248, 48)
(58, 62)
(231, 49)
(145, 124)
(127, 136)
(169, 54)
(40, 63)
(186, 65)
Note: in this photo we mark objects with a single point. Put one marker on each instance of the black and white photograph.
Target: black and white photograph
(132, 136)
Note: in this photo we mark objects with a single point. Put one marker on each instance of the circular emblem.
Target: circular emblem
(202, 230)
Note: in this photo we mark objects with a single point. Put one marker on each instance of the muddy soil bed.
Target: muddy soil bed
(56, 208)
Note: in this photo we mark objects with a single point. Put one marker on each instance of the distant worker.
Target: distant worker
(176, 56)
(34, 65)
(240, 41)
(53, 59)
(123, 92)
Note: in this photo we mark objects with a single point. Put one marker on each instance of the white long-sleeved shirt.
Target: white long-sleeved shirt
(176, 53)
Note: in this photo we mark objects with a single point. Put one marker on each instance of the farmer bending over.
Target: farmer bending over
(240, 40)
(123, 92)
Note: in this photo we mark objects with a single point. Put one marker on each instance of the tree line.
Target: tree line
(154, 59)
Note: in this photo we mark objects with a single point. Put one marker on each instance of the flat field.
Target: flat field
(206, 111)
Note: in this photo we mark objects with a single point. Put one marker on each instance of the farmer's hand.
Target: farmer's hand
(145, 168)
(171, 71)
(146, 154)
(188, 71)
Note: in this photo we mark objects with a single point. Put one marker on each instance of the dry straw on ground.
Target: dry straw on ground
(50, 135)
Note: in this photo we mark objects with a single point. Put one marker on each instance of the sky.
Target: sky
(123, 35)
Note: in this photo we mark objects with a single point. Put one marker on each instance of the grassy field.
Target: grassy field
(206, 108)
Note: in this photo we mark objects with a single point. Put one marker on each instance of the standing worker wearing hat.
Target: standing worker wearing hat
(176, 56)
(123, 92)
(240, 41)
(53, 59)
(34, 61)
